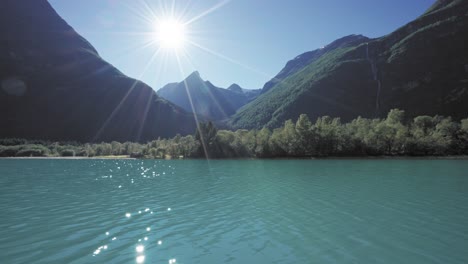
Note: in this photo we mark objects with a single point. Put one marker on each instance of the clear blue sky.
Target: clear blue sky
(245, 41)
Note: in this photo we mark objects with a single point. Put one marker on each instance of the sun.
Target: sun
(170, 33)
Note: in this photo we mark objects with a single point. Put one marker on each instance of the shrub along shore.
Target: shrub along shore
(328, 137)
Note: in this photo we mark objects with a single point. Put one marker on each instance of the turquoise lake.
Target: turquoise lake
(239, 211)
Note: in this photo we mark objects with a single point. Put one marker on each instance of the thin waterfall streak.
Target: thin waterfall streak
(375, 71)
(367, 51)
(193, 110)
(208, 11)
(227, 58)
(379, 89)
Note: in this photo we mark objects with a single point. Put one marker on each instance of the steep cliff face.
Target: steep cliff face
(54, 85)
(420, 68)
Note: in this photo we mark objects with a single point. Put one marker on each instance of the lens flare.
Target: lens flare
(170, 33)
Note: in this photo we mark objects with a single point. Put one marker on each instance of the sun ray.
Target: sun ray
(149, 9)
(208, 11)
(228, 59)
(172, 8)
(140, 15)
(170, 33)
(145, 115)
(187, 57)
(134, 49)
(193, 109)
(185, 10)
(114, 112)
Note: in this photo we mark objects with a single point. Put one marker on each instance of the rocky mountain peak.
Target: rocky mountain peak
(235, 88)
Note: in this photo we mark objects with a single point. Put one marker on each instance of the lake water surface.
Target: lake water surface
(248, 211)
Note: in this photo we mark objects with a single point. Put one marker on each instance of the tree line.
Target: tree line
(392, 136)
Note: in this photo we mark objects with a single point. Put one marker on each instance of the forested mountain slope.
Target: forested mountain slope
(422, 68)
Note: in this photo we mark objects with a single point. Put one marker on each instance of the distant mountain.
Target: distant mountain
(54, 85)
(422, 68)
(251, 94)
(203, 98)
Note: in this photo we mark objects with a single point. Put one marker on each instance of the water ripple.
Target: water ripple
(129, 211)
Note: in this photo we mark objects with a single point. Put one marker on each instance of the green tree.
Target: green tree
(228, 144)
(289, 140)
(206, 135)
(421, 131)
(444, 136)
(463, 136)
(305, 137)
(248, 141)
(392, 133)
(276, 144)
(329, 134)
(262, 147)
(116, 148)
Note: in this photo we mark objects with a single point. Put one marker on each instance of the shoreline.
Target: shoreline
(67, 158)
(464, 157)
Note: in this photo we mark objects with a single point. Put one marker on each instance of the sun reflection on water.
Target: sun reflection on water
(140, 249)
(126, 172)
(140, 259)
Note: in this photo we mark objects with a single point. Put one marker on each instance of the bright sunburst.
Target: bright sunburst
(170, 33)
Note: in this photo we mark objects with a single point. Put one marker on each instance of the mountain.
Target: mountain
(421, 68)
(203, 98)
(251, 94)
(54, 85)
(295, 65)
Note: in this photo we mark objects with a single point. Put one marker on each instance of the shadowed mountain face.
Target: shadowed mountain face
(54, 85)
(421, 68)
(203, 98)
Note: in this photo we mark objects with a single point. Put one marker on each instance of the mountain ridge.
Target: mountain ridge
(54, 85)
(420, 67)
(302, 60)
(194, 94)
